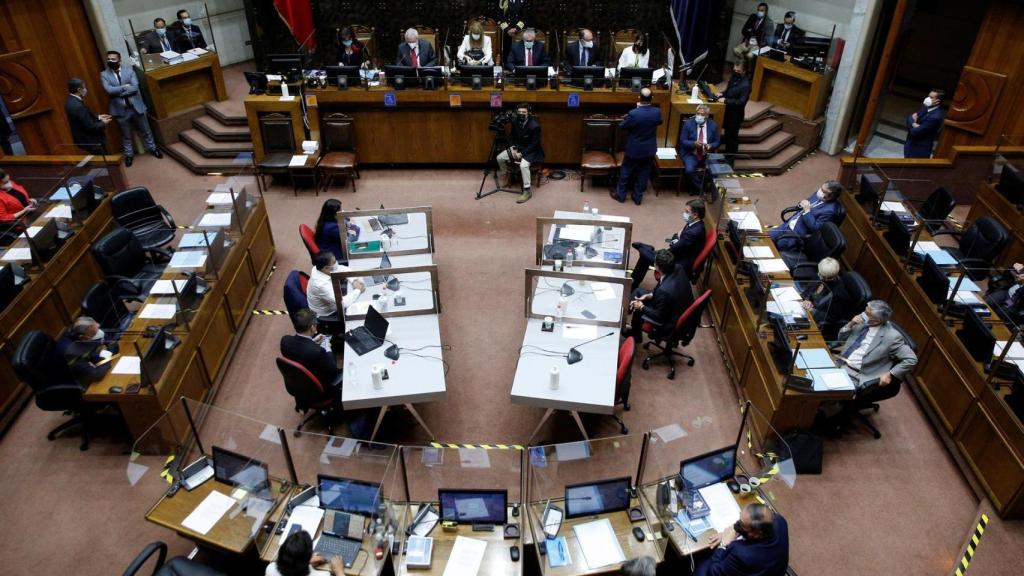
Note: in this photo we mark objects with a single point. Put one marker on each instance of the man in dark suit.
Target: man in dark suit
(818, 208)
(787, 33)
(757, 545)
(1005, 294)
(307, 348)
(511, 20)
(641, 145)
(829, 303)
(527, 52)
(662, 306)
(583, 52)
(127, 106)
(685, 245)
(156, 40)
(754, 32)
(88, 131)
(736, 94)
(186, 35)
(923, 127)
(525, 149)
(83, 348)
(697, 139)
(414, 52)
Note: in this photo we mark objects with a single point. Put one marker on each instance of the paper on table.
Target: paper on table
(666, 153)
(297, 160)
(577, 232)
(308, 517)
(814, 358)
(965, 297)
(158, 311)
(786, 309)
(17, 254)
(757, 252)
(724, 509)
(941, 257)
(786, 294)
(209, 511)
(824, 379)
(966, 285)
(128, 365)
(165, 287)
(579, 331)
(1016, 350)
(598, 542)
(746, 220)
(195, 240)
(217, 198)
(61, 211)
(216, 219)
(603, 291)
(889, 206)
(769, 265)
(466, 556)
(187, 259)
(33, 230)
(558, 552)
(926, 246)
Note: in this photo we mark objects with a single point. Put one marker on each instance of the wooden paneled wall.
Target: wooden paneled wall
(42, 46)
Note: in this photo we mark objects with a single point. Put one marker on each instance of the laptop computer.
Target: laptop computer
(385, 264)
(393, 219)
(347, 505)
(370, 335)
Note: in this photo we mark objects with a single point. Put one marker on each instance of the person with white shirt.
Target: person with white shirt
(875, 352)
(476, 46)
(820, 207)
(637, 55)
(320, 290)
(296, 558)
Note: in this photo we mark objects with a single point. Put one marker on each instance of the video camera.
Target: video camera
(501, 119)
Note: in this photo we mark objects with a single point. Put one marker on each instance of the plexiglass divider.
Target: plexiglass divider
(582, 297)
(391, 231)
(578, 240)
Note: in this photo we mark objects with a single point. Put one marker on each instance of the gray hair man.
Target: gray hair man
(415, 53)
(875, 350)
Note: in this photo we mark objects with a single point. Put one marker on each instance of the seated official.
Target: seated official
(476, 46)
(320, 290)
(156, 40)
(328, 234)
(525, 149)
(756, 545)
(787, 33)
(351, 51)
(83, 348)
(310, 349)
(1005, 296)
(414, 52)
(583, 52)
(637, 55)
(296, 557)
(697, 139)
(14, 200)
(642, 566)
(186, 34)
(527, 52)
(815, 210)
(754, 33)
(662, 306)
(684, 245)
(875, 351)
(828, 301)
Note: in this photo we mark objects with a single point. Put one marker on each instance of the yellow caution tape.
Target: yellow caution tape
(477, 446)
(257, 312)
(972, 546)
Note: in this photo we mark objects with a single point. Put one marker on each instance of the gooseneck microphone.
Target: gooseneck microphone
(575, 356)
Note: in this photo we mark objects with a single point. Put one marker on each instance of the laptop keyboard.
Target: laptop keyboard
(329, 546)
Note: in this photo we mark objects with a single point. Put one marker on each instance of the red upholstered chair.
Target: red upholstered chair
(309, 394)
(309, 239)
(624, 378)
(683, 332)
(703, 259)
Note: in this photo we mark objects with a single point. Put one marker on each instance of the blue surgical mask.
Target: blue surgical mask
(821, 195)
(864, 318)
(699, 119)
(788, 26)
(760, 13)
(528, 44)
(686, 217)
(187, 21)
(346, 43)
(161, 31)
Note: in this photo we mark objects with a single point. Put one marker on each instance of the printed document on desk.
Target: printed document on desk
(17, 255)
(158, 311)
(164, 287)
(746, 220)
(61, 211)
(466, 556)
(195, 240)
(757, 252)
(786, 294)
(966, 285)
(598, 542)
(814, 358)
(666, 153)
(1016, 350)
(219, 199)
(576, 232)
(890, 206)
(830, 379)
(208, 513)
(214, 219)
(187, 259)
(131, 365)
(724, 509)
(307, 517)
(772, 265)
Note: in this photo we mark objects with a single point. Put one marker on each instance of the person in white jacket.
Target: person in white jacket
(476, 46)
(637, 55)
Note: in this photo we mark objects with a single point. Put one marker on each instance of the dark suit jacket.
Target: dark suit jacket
(753, 28)
(151, 42)
(672, 296)
(807, 224)
(87, 130)
(527, 139)
(82, 357)
(795, 34)
(920, 139)
(833, 307)
(426, 53)
(642, 123)
(184, 41)
(735, 96)
(688, 244)
(517, 55)
(571, 58)
(355, 58)
(312, 356)
(768, 557)
(688, 136)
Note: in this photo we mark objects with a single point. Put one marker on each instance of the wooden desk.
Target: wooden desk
(989, 202)
(178, 87)
(496, 559)
(988, 437)
(791, 86)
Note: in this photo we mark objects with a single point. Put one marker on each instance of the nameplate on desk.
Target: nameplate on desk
(390, 99)
(311, 100)
(455, 100)
(496, 100)
(573, 100)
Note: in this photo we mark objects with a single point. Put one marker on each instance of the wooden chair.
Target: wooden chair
(596, 157)
(338, 157)
(570, 36)
(619, 146)
(426, 33)
(278, 145)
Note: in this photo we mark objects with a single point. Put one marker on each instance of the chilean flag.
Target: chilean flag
(692, 20)
(298, 17)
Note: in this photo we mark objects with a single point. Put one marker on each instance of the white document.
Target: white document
(746, 220)
(164, 287)
(786, 309)
(670, 432)
(427, 524)
(466, 556)
(926, 246)
(965, 297)
(198, 51)
(836, 380)
(214, 219)
(188, 57)
(769, 265)
(724, 509)
(474, 458)
(1016, 350)
(579, 331)
(576, 232)
(187, 259)
(666, 153)
(598, 542)
(158, 311)
(297, 161)
(786, 294)
(195, 239)
(603, 290)
(208, 513)
(17, 254)
(33, 230)
(572, 451)
(60, 211)
(308, 517)
(757, 252)
(551, 72)
(889, 206)
(128, 365)
(966, 284)
(218, 199)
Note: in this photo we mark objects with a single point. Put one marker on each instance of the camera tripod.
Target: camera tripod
(499, 144)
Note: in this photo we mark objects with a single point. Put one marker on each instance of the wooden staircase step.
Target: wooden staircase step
(768, 147)
(754, 111)
(776, 164)
(760, 130)
(200, 164)
(211, 148)
(221, 132)
(229, 112)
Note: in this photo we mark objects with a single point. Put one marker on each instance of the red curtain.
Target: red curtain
(298, 16)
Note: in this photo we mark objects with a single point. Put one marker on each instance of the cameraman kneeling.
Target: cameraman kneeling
(525, 149)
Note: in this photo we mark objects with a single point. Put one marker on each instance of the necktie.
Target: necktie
(583, 55)
(164, 44)
(855, 344)
(785, 36)
(415, 58)
(529, 57)
(127, 103)
(700, 140)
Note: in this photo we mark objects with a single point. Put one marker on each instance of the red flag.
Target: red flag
(298, 16)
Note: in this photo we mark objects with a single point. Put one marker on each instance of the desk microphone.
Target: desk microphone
(575, 356)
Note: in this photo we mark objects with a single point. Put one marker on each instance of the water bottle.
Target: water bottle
(563, 303)
(351, 377)
(569, 258)
(586, 207)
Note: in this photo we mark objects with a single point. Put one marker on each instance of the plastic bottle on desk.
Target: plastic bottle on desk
(586, 207)
(351, 377)
(569, 256)
(563, 303)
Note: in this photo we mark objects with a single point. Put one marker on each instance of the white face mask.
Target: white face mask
(928, 102)
(528, 44)
(821, 194)
(588, 44)
(687, 217)
(699, 119)
(7, 185)
(474, 36)
(788, 26)
(100, 335)
(413, 45)
(865, 318)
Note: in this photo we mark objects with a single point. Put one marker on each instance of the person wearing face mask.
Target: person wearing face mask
(311, 350)
(828, 301)
(127, 107)
(923, 127)
(818, 208)
(88, 131)
(663, 305)
(684, 245)
(755, 30)
(756, 545)
(476, 46)
(697, 139)
(414, 52)
(875, 354)
(156, 41)
(14, 200)
(583, 52)
(350, 50)
(641, 145)
(186, 34)
(83, 348)
(787, 33)
(736, 94)
(527, 52)
(320, 290)
(525, 149)
(637, 55)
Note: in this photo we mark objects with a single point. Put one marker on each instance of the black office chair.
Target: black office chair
(838, 216)
(980, 244)
(936, 208)
(129, 271)
(856, 298)
(682, 332)
(828, 241)
(101, 305)
(136, 210)
(310, 394)
(40, 364)
(871, 394)
(178, 566)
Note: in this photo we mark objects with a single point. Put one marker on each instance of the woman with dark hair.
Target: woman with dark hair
(350, 50)
(14, 200)
(296, 558)
(328, 235)
(637, 55)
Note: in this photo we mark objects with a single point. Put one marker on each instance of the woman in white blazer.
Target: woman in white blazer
(637, 55)
(476, 47)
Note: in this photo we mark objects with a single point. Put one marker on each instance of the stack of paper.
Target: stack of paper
(746, 220)
(466, 556)
(724, 509)
(826, 379)
(17, 255)
(187, 259)
(298, 161)
(208, 513)
(130, 365)
(598, 542)
(814, 358)
(59, 211)
(666, 153)
(218, 198)
(757, 252)
(889, 206)
(164, 287)
(306, 517)
(213, 219)
(771, 265)
(158, 311)
(785, 294)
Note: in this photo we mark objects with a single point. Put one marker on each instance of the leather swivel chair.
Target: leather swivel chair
(979, 245)
(129, 271)
(101, 305)
(136, 210)
(310, 394)
(682, 332)
(177, 566)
